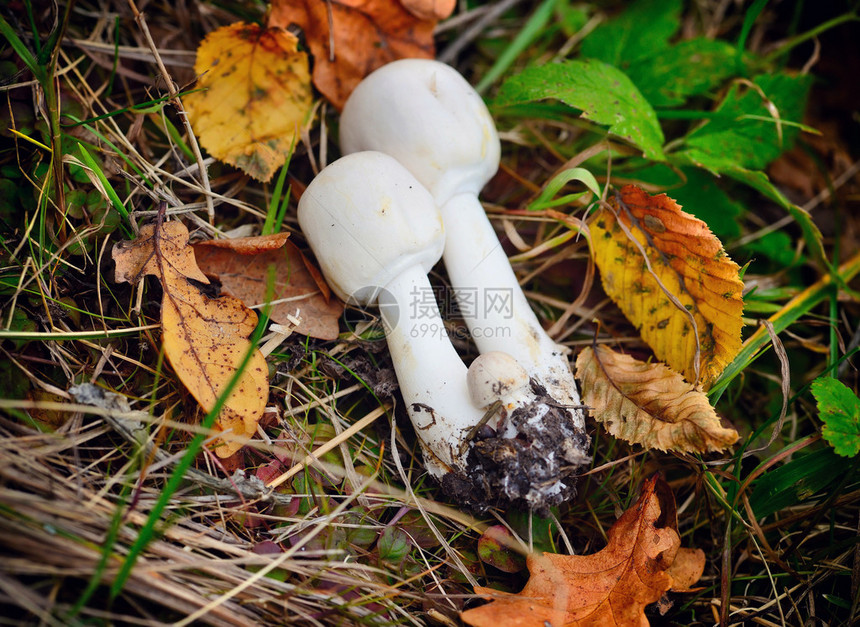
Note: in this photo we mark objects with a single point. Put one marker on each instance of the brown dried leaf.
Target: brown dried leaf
(351, 38)
(611, 587)
(255, 96)
(244, 265)
(686, 260)
(247, 245)
(205, 338)
(649, 404)
(430, 9)
(687, 569)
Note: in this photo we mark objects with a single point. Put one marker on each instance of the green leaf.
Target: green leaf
(603, 93)
(698, 193)
(759, 182)
(643, 28)
(839, 409)
(802, 478)
(393, 545)
(687, 69)
(779, 247)
(745, 130)
(495, 547)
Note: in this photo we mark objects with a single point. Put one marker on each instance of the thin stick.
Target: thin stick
(325, 448)
(177, 102)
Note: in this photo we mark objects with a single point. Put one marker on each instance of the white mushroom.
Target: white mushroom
(376, 233)
(424, 114)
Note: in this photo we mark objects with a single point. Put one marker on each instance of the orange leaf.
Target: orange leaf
(205, 338)
(687, 569)
(246, 245)
(649, 404)
(255, 96)
(351, 38)
(244, 266)
(646, 247)
(611, 587)
(430, 9)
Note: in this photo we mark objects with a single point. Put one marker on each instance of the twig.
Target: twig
(450, 53)
(177, 102)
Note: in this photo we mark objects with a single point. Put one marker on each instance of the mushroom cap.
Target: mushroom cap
(495, 376)
(367, 220)
(424, 114)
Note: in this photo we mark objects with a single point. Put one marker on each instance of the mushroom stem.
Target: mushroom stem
(431, 375)
(503, 320)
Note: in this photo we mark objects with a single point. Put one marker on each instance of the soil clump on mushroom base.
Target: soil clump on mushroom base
(535, 470)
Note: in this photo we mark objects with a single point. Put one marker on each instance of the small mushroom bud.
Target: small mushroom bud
(495, 376)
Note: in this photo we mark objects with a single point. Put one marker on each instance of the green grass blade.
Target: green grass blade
(278, 204)
(530, 31)
(87, 158)
(798, 306)
(148, 531)
(22, 51)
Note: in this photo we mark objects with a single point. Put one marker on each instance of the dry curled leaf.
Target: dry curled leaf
(351, 38)
(255, 96)
(687, 569)
(430, 9)
(205, 338)
(611, 587)
(649, 404)
(646, 247)
(246, 266)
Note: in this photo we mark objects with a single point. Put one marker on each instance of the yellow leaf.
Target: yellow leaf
(205, 338)
(649, 404)
(646, 247)
(255, 96)
(609, 588)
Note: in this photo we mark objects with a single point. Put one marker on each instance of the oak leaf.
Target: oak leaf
(687, 568)
(244, 266)
(610, 587)
(671, 277)
(205, 338)
(430, 9)
(351, 38)
(255, 96)
(649, 404)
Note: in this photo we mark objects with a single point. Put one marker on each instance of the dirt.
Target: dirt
(536, 469)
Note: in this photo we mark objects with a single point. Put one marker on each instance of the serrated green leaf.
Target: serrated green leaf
(839, 409)
(641, 29)
(603, 93)
(745, 131)
(689, 68)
